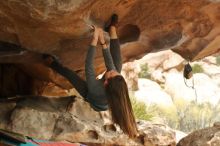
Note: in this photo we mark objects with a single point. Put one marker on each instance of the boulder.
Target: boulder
(206, 90)
(203, 137)
(72, 119)
(151, 93)
(130, 72)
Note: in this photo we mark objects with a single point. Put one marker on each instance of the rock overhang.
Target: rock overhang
(189, 28)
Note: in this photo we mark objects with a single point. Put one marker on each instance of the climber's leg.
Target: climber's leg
(114, 42)
(78, 83)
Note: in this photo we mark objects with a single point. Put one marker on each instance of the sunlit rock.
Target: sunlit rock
(206, 90)
(151, 93)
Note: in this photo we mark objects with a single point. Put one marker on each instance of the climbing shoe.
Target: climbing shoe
(113, 21)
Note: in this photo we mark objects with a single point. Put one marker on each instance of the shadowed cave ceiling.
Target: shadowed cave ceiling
(30, 27)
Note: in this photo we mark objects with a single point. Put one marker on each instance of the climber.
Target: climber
(111, 90)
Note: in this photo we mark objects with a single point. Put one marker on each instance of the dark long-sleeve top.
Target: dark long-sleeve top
(96, 92)
(93, 90)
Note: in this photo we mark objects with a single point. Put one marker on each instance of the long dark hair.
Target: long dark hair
(120, 105)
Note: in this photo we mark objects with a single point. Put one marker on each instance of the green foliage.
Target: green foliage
(141, 111)
(195, 116)
(144, 73)
(169, 115)
(184, 115)
(189, 116)
(218, 60)
(197, 68)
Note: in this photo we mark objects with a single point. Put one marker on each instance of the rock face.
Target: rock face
(130, 72)
(155, 96)
(59, 27)
(203, 137)
(73, 120)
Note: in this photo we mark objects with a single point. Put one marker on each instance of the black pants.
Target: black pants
(80, 84)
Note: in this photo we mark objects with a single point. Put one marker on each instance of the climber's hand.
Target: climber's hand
(95, 36)
(101, 36)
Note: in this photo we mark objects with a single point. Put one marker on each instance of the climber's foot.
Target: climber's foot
(113, 21)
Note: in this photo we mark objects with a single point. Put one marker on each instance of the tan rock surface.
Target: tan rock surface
(190, 28)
